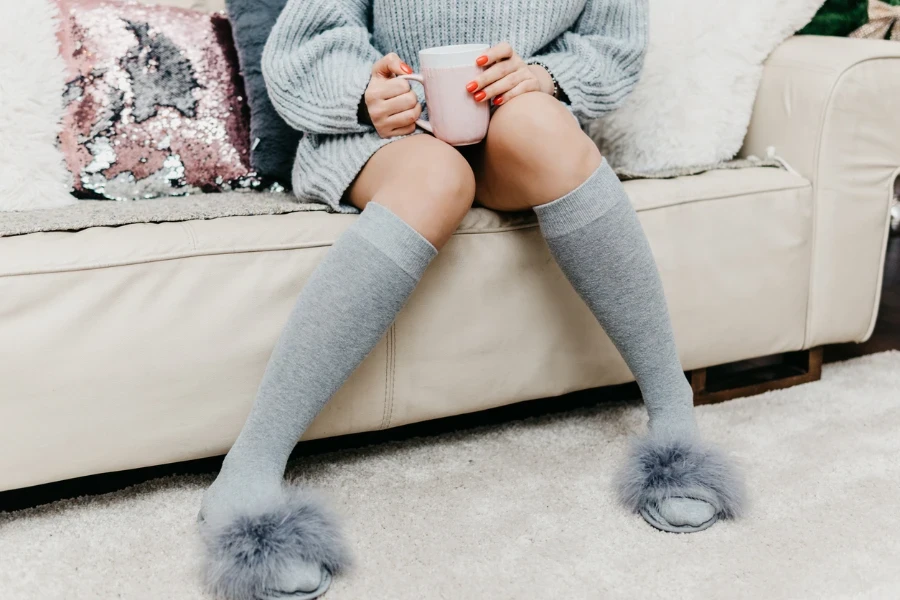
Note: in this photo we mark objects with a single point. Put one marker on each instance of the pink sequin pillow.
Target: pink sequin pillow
(154, 101)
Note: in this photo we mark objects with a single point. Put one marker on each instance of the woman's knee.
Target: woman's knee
(443, 178)
(537, 134)
(432, 190)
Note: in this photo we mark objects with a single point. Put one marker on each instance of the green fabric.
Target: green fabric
(840, 17)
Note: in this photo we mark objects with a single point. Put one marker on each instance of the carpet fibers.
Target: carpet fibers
(526, 510)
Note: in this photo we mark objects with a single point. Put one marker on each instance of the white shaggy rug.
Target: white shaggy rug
(525, 510)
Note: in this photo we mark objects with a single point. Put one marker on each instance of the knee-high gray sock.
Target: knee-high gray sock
(260, 537)
(596, 238)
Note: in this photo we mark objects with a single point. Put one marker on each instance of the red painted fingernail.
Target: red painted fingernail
(481, 60)
(471, 86)
(498, 100)
(406, 68)
(480, 96)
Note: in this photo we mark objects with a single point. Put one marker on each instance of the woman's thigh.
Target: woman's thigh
(422, 180)
(534, 153)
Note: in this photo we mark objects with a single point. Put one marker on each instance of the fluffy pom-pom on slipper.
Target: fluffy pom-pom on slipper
(250, 548)
(659, 468)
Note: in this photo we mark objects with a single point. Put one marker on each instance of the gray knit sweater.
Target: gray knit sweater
(318, 61)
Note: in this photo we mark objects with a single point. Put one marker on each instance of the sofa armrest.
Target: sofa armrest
(831, 108)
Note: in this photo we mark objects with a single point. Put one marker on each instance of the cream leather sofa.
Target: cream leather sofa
(143, 344)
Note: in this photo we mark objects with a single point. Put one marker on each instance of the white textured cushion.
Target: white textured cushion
(693, 103)
(32, 172)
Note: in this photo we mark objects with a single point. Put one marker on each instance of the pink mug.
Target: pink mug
(455, 116)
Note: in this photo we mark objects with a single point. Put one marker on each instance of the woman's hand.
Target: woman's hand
(506, 76)
(391, 105)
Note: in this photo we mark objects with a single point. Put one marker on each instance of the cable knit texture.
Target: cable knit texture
(318, 61)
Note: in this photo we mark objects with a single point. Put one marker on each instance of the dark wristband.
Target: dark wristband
(558, 92)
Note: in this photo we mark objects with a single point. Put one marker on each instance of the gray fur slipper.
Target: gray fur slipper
(664, 477)
(253, 553)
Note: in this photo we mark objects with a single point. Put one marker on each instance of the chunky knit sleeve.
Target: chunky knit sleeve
(318, 62)
(598, 61)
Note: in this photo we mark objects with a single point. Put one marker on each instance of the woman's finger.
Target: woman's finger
(493, 74)
(502, 86)
(392, 88)
(403, 119)
(499, 52)
(384, 89)
(398, 104)
(409, 129)
(390, 65)
(529, 85)
(381, 109)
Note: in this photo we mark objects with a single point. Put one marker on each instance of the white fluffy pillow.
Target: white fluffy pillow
(692, 105)
(32, 171)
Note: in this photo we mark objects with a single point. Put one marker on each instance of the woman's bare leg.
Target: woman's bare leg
(536, 156)
(423, 181)
(266, 540)
(532, 131)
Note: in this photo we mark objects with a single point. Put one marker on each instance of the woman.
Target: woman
(330, 66)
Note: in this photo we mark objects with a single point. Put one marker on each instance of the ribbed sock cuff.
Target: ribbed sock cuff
(585, 204)
(396, 239)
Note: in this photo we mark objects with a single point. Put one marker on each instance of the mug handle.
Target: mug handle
(422, 123)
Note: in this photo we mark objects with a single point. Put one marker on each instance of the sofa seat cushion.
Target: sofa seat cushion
(99, 247)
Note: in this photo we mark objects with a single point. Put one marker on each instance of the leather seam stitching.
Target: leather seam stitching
(884, 243)
(687, 202)
(387, 368)
(190, 231)
(393, 374)
(388, 410)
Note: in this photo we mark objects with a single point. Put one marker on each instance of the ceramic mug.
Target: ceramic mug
(455, 116)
